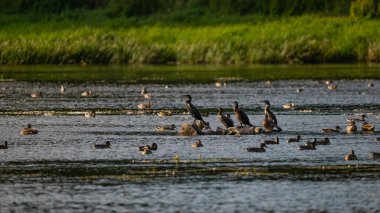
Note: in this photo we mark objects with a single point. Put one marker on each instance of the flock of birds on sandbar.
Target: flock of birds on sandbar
(269, 124)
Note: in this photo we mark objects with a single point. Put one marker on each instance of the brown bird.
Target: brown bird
(28, 130)
(197, 143)
(350, 156)
(329, 130)
(367, 127)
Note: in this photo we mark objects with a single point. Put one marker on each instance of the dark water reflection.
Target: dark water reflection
(57, 168)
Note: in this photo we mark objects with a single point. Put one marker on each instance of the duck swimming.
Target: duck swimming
(152, 147)
(350, 156)
(102, 146)
(197, 144)
(351, 127)
(36, 95)
(276, 141)
(5, 146)
(325, 141)
(28, 130)
(288, 106)
(367, 127)
(308, 146)
(86, 93)
(257, 149)
(146, 151)
(328, 130)
(374, 155)
(165, 128)
(292, 140)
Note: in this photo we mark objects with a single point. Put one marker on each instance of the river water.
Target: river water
(57, 169)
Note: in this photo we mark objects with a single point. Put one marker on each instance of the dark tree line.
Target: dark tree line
(238, 7)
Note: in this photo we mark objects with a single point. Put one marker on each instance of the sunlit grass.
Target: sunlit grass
(306, 39)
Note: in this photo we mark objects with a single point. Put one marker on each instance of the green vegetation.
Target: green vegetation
(202, 32)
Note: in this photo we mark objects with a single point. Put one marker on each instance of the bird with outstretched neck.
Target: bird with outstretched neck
(270, 118)
(240, 115)
(194, 111)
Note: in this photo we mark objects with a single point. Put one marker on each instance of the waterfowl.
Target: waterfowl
(194, 111)
(362, 118)
(63, 89)
(225, 120)
(351, 126)
(308, 146)
(257, 149)
(86, 93)
(325, 141)
(36, 95)
(350, 156)
(328, 82)
(218, 84)
(146, 151)
(5, 146)
(145, 105)
(367, 127)
(377, 116)
(102, 146)
(28, 130)
(146, 94)
(270, 118)
(240, 115)
(288, 106)
(374, 155)
(332, 86)
(328, 130)
(164, 113)
(152, 147)
(370, 84)
(165, 128)
(299, 90)
(197, 143)
(275, 141)
(90, 114)
(292, 140)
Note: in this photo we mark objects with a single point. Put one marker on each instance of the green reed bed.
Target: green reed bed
(304, 39)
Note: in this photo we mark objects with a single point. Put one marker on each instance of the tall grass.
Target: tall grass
(304, 39)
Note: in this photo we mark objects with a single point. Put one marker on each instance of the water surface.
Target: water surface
(57, 168)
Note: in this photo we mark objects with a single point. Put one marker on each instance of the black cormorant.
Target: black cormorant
(194, 111)
(269, 115)
(225, 120)
(240, 115)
